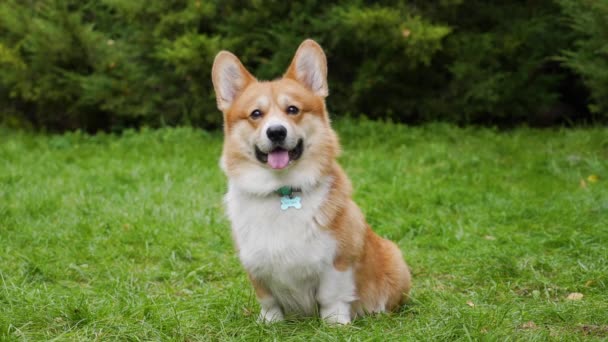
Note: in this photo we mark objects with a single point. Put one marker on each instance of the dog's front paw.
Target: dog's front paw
(337, 319)
(338, 313)
(271, 315)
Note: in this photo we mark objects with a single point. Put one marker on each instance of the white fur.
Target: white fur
(290, 254)
(335, 295)
(271, 311)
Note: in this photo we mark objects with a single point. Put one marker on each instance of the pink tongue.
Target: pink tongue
(278, 159)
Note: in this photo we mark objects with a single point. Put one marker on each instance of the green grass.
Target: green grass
(123, 237)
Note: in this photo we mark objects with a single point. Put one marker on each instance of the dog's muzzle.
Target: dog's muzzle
(279, 157)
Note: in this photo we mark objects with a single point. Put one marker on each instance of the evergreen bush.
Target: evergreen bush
(589, 55)
(112, 64)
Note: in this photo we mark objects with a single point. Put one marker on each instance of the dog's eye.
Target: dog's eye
(256, 114)
(293, 110)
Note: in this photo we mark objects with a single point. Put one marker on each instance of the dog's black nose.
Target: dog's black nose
(276, 133)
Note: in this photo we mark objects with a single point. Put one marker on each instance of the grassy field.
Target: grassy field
(123, 237)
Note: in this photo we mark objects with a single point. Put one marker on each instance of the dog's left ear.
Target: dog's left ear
(309, 67)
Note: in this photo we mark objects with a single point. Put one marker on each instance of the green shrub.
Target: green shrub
(112, 64)
(500, 60)
(589, 55)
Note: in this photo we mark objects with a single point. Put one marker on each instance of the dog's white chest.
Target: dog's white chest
(285, 249)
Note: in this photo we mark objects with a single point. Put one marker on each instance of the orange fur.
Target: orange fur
(378, 262)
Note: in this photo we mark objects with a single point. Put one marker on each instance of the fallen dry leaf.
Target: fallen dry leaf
(575, 296)
(583, 184)
(593, 178)
(406, 33)
(489, 237)
(596, 330)
(471, 304)
(553, 332)
(589, 283)
(528, 325)
(247, 312)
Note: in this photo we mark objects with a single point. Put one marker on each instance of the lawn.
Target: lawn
(123, 237)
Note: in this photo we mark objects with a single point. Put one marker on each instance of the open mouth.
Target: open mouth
(279, 157)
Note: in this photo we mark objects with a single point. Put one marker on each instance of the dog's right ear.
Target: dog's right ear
(229, 79)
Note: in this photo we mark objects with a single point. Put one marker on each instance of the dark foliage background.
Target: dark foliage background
(112, 64)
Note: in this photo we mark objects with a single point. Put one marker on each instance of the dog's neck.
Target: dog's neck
(287, 191)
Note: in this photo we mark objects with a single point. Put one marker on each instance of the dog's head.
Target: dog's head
(277, 133)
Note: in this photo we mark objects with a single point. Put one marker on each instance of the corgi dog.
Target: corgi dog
(304, 243)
